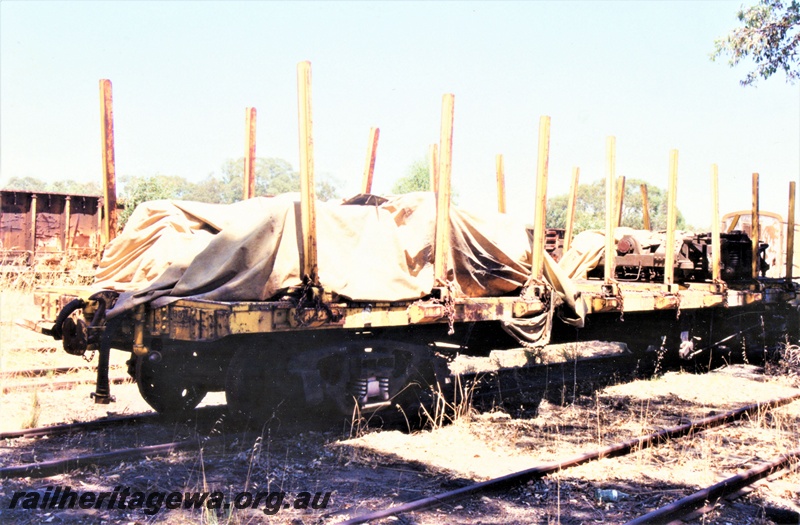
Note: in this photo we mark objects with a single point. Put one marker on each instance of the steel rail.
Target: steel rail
(62, 384)
(713, 493)
(39, 372)
(618, 449)
(50, 468)
(72, 427)
(101, 423)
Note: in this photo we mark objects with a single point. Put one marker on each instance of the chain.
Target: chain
(449, 306)
(660, 354)
(311, 297)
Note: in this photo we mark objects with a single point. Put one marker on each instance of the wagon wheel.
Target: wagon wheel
(161, 386)
(258, 389)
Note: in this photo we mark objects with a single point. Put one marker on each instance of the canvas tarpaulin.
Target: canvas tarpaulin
(251, 251)
(587, 248)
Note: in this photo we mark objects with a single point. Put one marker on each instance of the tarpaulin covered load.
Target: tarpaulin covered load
(587, 248)
(250, 251)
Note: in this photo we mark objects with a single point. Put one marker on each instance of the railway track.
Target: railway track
(558, 374)
(204, 417)
(490, 388)
(50, 371)
(63, 384)
(110, 422)
(619, 449)
(708, 496)
(58, 466)
(65, 428)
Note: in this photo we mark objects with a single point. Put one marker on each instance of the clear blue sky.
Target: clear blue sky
(183, 72)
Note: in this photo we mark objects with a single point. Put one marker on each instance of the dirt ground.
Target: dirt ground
(370, 467)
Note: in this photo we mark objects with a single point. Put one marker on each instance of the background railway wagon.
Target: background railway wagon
(49, 228)
(772, 231)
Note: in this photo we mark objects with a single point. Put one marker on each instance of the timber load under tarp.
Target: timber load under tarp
(251, 251)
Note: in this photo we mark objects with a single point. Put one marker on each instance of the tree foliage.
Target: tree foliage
(273, 176)
(143, 189)
(63, 186)
(770, 37)
(591, 205)
(417, 178)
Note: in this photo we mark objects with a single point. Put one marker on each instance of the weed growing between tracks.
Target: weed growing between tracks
(33, 416)
(785, 363)
(444, 412)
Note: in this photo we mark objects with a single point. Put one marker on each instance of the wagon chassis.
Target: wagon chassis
(370, 356)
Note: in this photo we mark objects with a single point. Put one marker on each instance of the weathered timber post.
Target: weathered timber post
(540, 208)
(67, 210)
(499, 169)
(249, 153)
(369, 166)
(433, 167)
(669, 258)
(790, 223)
(620, 194)
(645, 207)
(109, 170)
(98, 234)
(610, 251)
(716, 244)
(754, 227)
(34, 202)
(571, 205)
(307, 196)
(442, 239)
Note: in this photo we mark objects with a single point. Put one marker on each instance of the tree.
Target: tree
(770, 37)
(590, 208)
(417, 178)
(62, 186)
(26, 184)
(273, 176)
(75, 188)
(142, 189)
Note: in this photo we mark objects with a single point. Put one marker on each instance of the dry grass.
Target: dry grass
(35, 410)
(16, 276)
(493, 444)
(785, 363)
(444, 412)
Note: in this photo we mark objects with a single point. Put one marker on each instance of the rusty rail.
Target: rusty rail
(65, 428)
(40, 372)
(713, 493)
(618, 449)
(49, 468)
(59, 385)
(211, 411)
